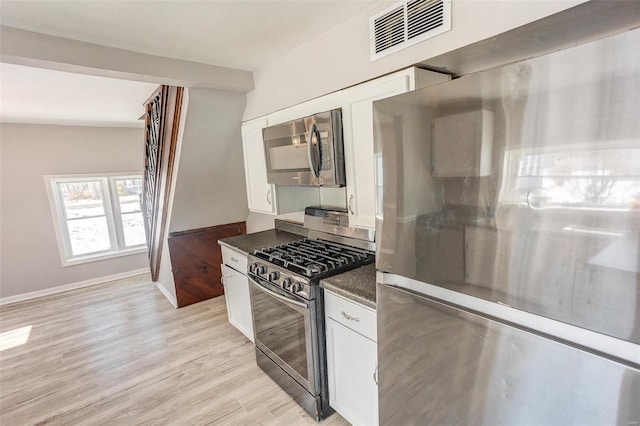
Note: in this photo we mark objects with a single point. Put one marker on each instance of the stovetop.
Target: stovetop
(315, 258)
(297, 267)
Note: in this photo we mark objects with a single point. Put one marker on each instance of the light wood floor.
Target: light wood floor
(119, 353)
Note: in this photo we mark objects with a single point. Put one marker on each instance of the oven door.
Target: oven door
(284, 331)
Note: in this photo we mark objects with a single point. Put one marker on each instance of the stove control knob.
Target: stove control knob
(296, 287)
(261, 269)
(274, 275)
(252, 267)
(286, 283)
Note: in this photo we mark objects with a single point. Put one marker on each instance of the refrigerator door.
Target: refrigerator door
(521, 185)
(441, 365)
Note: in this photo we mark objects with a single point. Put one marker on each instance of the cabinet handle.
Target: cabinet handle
(269, 196)
(351, 204)
(349, 317)
(375, 374)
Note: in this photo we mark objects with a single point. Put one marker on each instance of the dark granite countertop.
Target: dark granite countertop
(358, 285)
(250, 242)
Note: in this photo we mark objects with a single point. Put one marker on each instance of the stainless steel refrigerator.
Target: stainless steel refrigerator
(508, 251)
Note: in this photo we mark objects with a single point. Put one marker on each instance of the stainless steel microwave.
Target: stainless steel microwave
(307, 152)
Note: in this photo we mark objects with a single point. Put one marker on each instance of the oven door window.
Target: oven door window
(283, 329)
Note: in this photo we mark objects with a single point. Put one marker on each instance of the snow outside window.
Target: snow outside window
(97, 217)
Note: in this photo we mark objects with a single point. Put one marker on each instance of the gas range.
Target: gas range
(297, 266)
(288, 307)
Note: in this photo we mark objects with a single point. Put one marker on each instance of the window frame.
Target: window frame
(112, 213)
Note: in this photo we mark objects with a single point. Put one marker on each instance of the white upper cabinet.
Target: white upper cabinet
(310, 107)
(357, 118)
(260, 195)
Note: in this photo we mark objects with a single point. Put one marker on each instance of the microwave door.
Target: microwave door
(306, 152)
(287, 156)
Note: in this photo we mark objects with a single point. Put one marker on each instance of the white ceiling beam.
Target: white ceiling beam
(29, 48)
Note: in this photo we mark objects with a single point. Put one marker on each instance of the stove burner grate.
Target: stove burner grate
(314, 257)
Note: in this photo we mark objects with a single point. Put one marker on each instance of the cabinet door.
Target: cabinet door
(236, 291)
(313, 106)
(260, 194)
(351, 366)
(358, 145)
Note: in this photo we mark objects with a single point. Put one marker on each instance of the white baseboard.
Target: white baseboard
(72, 286)
(169, 297)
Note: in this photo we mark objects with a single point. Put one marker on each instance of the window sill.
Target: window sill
(102, 256)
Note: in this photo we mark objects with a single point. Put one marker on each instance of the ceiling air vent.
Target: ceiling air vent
(407, 23)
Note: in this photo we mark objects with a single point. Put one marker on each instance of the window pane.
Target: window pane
(129, 191)
(82, 199)
(133, 229)
(88, 235)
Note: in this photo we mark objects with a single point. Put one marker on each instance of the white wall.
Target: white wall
(210, 185)
(340, 57)
(29, 256)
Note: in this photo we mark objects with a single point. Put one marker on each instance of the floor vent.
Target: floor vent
(407, 23)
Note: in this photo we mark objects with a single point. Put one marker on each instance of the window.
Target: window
(97, 217)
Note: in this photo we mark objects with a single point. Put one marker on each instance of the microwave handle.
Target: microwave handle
(315, 166)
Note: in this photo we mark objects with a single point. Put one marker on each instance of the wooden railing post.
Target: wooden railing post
(162, 122)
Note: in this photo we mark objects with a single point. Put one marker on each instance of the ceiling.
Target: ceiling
(240, 34)
(36, 95)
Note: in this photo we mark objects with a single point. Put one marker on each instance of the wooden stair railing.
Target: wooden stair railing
(162, 121)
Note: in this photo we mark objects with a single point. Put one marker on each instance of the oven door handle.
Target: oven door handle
(277, 296)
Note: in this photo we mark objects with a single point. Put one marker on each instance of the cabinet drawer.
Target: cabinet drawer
(352, 315)
(234, 259)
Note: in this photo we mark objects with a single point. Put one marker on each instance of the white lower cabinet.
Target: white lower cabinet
(236, 293)
(351, 361)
